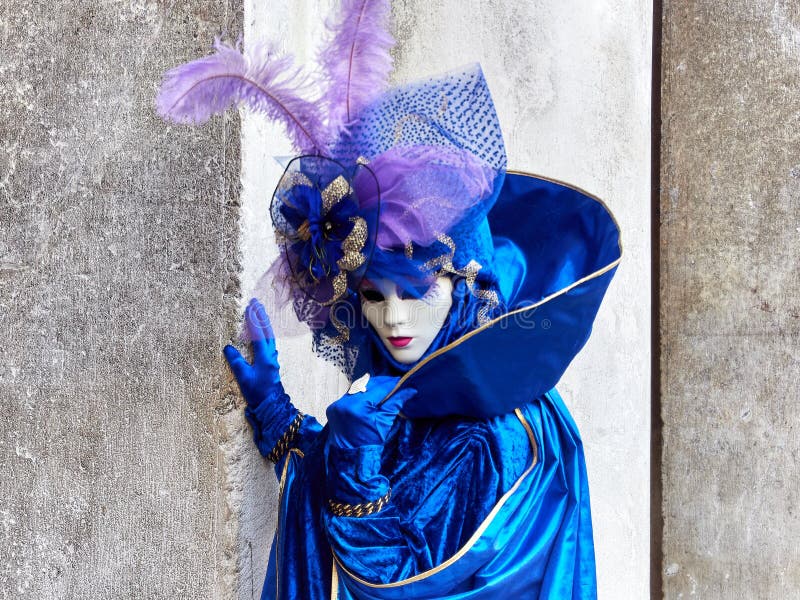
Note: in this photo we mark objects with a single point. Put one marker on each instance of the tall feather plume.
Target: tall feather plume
(356, 62)
(266, 83)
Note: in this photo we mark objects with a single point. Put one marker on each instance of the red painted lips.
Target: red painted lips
(400, 342)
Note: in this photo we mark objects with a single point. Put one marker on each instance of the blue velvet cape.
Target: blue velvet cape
(486, 467)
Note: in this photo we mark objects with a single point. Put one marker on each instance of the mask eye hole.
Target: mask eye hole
(371, 295)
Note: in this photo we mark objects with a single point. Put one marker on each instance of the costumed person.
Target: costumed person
(452, 293)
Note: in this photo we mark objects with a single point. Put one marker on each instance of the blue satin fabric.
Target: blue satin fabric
(447, 476)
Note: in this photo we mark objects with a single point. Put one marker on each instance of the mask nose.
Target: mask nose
(395, 311)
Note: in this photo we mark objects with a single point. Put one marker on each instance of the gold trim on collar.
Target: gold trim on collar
(545, 300)
(478, 532)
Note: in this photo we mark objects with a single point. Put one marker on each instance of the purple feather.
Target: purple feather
(356, 63)
(269, 84)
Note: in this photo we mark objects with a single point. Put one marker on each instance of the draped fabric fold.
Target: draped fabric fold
(517, 526)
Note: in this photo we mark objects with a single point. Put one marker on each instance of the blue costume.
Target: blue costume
(489, 492)
(461, 474)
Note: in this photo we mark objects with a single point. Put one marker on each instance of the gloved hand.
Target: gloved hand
(358, 419)
(259, 380)
(269, 409)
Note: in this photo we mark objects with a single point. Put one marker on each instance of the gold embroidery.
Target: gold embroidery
(352, 259)
(469, 273)
(335, 191)
(490, 300)
(353, 244)
(341, 328)
(292, 179)
(339, 287)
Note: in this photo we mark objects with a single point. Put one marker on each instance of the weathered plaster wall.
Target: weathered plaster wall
(730, 286)
(118, 286)
(572, 85)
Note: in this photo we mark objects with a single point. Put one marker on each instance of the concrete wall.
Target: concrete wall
(730, 315)
(118, 285)
(572, 85)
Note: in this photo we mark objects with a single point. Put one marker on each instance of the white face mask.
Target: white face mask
(407, 326)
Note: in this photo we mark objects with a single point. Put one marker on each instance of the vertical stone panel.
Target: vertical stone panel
(571, 81)
(730, 317)
(118, 286)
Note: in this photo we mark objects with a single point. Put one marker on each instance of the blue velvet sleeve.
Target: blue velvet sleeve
(272, 417)
(445, 476)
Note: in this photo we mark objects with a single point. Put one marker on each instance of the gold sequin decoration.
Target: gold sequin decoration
(470, 273)
(292, 179)
(339, 284)
(341, 328)
(351, 261)
(445, 261)
(335, 191)
(362, 161)
(491, 300)
(353, 244)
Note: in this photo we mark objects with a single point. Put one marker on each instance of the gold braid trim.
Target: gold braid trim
(283, 444)
(359, 510)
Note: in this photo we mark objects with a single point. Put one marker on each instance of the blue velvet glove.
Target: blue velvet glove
(269, 409)
(358, 427)
(256, 380)
(360, 419)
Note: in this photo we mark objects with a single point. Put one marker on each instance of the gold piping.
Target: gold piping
(531, 436)
(334, 581)
(560, 292)
(478, 532)
(278, 526)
